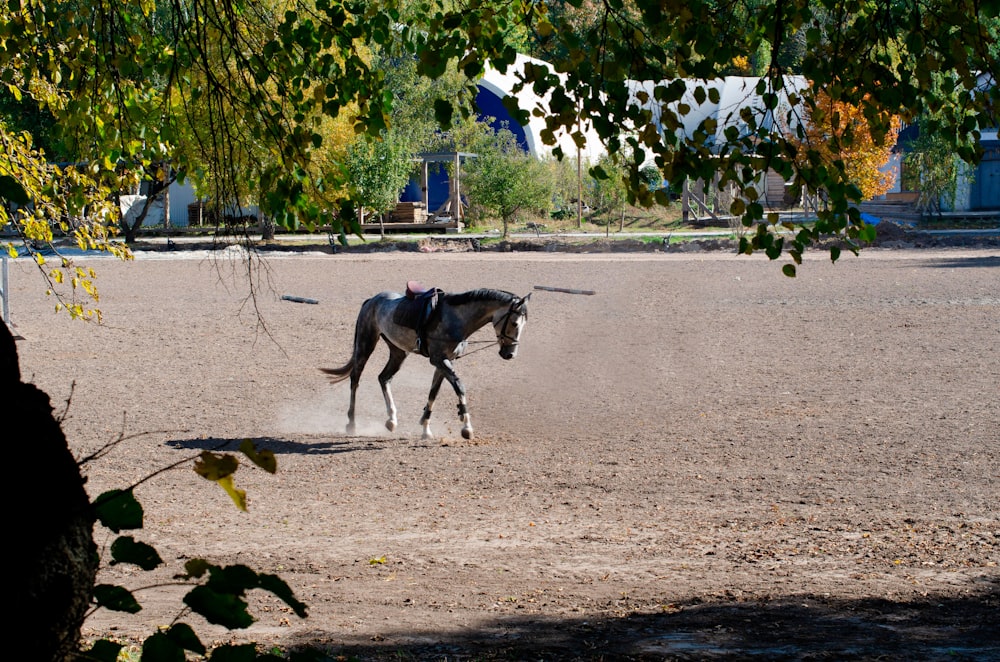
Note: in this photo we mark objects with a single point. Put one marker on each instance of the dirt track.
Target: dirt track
(704, 460)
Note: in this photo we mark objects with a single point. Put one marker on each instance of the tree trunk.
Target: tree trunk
(267, 228)
(52, 556)
(166, 196)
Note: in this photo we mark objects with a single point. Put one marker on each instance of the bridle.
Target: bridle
(504, 334)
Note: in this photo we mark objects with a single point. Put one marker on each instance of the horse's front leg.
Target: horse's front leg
(425, 420)
(463, 406)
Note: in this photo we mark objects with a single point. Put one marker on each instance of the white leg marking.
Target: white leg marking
(390, 409)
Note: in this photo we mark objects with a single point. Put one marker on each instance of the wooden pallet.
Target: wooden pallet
(409, 212)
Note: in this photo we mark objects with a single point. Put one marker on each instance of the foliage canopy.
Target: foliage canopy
(235, 93)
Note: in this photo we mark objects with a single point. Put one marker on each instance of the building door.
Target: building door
(985, 193)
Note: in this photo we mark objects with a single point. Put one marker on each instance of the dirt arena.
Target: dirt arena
(704, 460)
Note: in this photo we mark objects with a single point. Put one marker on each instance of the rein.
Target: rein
(486, 344)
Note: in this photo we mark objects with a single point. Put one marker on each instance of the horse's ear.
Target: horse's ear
(525, 298)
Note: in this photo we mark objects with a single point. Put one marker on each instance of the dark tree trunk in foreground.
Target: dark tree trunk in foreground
(51, 557)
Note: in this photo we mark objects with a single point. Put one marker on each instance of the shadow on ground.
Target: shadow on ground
(323, 445)
(966, 262)
(802, 627)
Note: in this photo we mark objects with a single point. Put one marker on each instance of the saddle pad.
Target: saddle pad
(407, 312)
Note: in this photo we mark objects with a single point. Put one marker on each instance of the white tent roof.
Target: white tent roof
(502, 85)
(723, 100)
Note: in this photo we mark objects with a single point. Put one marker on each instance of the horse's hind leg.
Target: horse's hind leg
(364, 345)
(425, 420)
(396, 358)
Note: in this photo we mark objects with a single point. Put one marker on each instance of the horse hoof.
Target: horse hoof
(426, 436)
(351, 429)
(467, 433)
(390, 426)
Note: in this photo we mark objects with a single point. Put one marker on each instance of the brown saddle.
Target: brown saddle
(414, 288)
(419, 306)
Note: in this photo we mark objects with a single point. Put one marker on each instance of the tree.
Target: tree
(506, 181)
(931, 168)
(250, 79)
(378, 170)
(838, 135)
(102, 68)
(611, 187)
(878, 57)
(931, 165)
(58, 561)
(56, 558)
(159, 177)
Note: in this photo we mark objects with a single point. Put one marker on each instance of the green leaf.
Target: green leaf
(11, 190)
(126, 550)
(278, 587)
(160, 648)
(104, 651)
(773, 249)
(788, 270)
(225, 609)
(184, 636)
(116, 598)
(234, 653)
(235, 579)
(867, 233)
(118, 510)
(834, 253)
(443, 112)
(197, 568)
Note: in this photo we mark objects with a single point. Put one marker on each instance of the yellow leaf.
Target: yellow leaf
(215, 467)
(264, 459)
(239, 497)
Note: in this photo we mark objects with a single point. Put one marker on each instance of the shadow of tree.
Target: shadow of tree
(322, 446)
(798, 627)
(965, 262)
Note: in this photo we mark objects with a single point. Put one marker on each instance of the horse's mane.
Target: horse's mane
(481, 294)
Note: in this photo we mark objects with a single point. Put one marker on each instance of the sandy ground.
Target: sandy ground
(704, 460)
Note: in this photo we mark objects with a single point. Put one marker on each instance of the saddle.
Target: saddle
(416, 311)
(414, 289)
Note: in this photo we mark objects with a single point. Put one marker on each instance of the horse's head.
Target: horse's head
(509, 324)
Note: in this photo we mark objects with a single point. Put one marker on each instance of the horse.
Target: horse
(398, 318)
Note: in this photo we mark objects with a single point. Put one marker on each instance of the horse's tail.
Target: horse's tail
(337, 375)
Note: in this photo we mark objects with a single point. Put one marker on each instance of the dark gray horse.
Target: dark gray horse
(395, 317)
